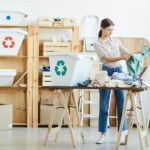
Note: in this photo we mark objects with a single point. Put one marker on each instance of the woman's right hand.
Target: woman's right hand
(126, 56)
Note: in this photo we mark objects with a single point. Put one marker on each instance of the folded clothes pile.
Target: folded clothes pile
(127, 79)
(116, 80)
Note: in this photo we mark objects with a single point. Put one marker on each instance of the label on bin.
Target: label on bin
(8, 42)
(60, 68)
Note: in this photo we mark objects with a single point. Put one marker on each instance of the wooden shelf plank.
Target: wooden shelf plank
(48, 27)
(13, 26)
(19, 124)
(10, 56)
(11, 87)
(43, 57)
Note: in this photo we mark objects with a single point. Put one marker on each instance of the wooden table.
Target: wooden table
(135, 104)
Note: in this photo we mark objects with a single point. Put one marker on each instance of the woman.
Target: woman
(110, 52)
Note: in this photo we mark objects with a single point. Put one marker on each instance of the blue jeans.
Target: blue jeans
(104, 103)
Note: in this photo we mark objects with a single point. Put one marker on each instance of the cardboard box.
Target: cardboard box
(45, 111)
(6, 116)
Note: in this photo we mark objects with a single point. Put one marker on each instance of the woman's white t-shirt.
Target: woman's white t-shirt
(112, 48)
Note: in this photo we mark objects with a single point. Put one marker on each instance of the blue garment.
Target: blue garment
(104, 103)
(135, 64)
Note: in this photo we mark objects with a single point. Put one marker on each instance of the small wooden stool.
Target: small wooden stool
(65, 97)
(141, 128)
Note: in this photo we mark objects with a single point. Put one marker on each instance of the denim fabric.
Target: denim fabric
(104, 103)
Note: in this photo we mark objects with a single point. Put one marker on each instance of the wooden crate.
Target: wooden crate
(47, 79)
(69, 22)
(57, 24)
(49, 47)
(45, 21)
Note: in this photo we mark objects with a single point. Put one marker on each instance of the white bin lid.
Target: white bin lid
(72, 54)
(13, 30)
(7, 72)
(15, 11)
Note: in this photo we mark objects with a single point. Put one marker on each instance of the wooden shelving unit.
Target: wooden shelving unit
(26, 99)
(20, 97)
(39, 91)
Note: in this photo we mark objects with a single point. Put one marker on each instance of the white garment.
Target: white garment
(112, 48)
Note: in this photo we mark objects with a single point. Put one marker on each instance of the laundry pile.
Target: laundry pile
(116, 80)
(127, 79)
(135, 66)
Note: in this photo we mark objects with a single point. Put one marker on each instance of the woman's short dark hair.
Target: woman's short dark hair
(104, 24)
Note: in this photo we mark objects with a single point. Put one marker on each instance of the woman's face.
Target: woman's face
(106, 32)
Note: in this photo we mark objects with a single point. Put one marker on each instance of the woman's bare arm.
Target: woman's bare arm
(114, 59)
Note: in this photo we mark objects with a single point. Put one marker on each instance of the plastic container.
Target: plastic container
(11, 40)
(11, 17)
(69, 69)
(7, 77)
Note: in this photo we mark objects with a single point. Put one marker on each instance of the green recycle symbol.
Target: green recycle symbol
(60, 64)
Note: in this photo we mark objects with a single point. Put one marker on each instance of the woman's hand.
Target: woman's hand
(126, 56)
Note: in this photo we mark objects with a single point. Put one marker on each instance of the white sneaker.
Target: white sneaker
(102, 139)
(123, 135)
(122, 140)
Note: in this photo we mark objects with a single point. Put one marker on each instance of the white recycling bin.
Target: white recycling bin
(7, 77)
(68, 69)
(11, 40)
(8, 17)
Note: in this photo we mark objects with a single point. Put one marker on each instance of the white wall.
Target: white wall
(130, 16)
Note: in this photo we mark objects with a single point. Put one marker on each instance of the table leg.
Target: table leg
(78, 118)
(52, 117)
(129, 119)
(137, 122)
(143, 119)
(59, 125)
(122, 122)
(65, 103)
